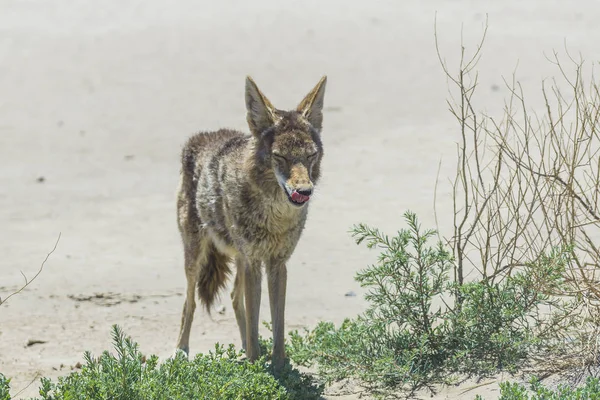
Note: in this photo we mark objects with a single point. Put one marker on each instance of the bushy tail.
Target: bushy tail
(213, 276)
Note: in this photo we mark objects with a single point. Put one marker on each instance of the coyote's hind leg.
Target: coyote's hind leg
(194, 253)
(237, 299)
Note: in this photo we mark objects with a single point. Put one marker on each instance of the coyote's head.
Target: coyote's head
(288, 143)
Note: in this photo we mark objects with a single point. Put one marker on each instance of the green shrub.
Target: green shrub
(4, 388)
(517, 391)
(218, 375)
(413, 332)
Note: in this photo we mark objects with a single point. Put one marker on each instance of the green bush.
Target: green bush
(414, 331)
(517, 391)
(4, 388)
(131, 376)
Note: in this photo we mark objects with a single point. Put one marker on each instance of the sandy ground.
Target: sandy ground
(97, 98)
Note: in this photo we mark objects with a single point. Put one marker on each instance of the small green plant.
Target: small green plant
(499, 324)
(398, 340)
(4, 388)
(517, 391)
(220, 374)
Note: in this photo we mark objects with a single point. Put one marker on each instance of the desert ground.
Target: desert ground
(97, 99)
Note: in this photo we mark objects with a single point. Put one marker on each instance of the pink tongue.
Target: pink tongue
(299, 198)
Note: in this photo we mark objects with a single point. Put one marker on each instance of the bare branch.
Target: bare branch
(28, 281)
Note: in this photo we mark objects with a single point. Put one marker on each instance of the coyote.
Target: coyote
(244, 198)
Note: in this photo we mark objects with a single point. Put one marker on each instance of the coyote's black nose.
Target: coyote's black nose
(306, 192)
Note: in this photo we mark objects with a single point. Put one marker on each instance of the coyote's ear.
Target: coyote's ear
(312, 105)
(259, 108)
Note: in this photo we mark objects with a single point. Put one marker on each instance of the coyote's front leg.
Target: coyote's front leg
(252, 284)
(277, 278)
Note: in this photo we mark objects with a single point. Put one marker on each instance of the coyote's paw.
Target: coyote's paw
(177, 351)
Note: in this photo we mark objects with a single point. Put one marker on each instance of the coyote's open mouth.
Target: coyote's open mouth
(296, 198)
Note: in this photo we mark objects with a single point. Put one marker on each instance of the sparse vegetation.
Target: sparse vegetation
(411, 336)
(516, 391)
(526, 214)
(130, 375)
(4, 387)
(526, 219)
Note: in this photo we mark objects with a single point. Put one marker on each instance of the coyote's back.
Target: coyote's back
(243, 198)
(211, 265)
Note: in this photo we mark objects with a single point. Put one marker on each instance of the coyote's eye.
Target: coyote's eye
(279, 157)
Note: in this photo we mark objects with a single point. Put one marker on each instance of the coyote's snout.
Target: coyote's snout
(243, 198)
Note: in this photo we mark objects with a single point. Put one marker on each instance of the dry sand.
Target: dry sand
(98, 97)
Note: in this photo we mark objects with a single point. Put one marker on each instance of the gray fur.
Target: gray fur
(235, 203)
